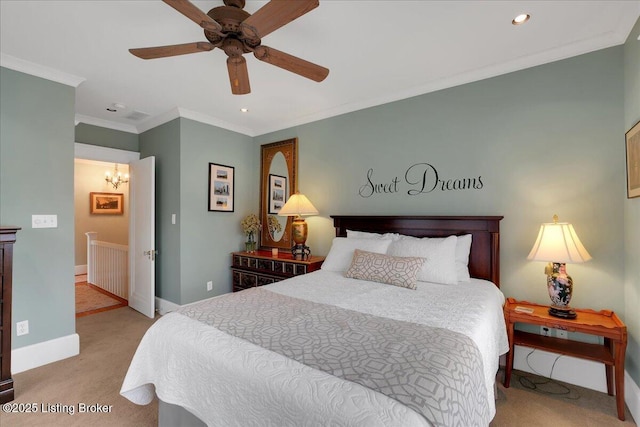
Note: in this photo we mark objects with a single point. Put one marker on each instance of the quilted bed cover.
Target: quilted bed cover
(214, 375)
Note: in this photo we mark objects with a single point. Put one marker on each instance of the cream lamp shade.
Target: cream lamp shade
(558, 244)
(297, 206)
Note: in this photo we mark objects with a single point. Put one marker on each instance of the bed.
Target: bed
(365, 341)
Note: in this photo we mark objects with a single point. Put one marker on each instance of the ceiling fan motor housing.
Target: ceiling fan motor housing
(230, 17)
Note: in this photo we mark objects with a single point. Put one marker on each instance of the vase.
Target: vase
(250, 244)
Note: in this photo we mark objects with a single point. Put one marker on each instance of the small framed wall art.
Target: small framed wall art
(277, 193)
(106, 203)
(632, 138)
(221, 187)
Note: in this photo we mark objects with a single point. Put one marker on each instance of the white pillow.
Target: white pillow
(440, 266)
(367, 235)
(463, 248)
(341, 252)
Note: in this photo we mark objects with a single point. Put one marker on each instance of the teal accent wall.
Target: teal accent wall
(36, 177)
(208, 238)
(163, 142)
(197, 248)
(104, 137)
(545, 141)
(632, 208)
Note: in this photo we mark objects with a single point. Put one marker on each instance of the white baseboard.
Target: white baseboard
(632, 396)
(163, 306)
(81, 269)
(43, 353)
(580, 372)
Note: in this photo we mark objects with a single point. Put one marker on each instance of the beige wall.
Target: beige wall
(89, 177)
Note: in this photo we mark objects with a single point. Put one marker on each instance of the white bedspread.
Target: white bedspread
(226, 381)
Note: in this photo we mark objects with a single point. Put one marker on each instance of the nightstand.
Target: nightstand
(603, 323)
(262, 268)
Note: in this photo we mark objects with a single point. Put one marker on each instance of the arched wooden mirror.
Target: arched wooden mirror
(278, 180)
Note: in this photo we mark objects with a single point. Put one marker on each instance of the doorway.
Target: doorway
(141, 220)
(107, 284)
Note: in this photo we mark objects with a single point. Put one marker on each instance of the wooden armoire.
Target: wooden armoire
(7, 239)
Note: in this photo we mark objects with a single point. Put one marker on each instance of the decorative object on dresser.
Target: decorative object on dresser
(251, 226)
(296, 206)
(221, 187)
(559, 244)
(264, 267)
(632, 138)
(7, 239)
(602, 323)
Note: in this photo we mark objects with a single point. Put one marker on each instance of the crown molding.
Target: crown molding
(38, 70)
(89, 120)
(203, 118)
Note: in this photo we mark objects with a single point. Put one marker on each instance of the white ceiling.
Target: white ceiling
(377, 51)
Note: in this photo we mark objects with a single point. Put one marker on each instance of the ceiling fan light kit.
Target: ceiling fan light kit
(236, 32)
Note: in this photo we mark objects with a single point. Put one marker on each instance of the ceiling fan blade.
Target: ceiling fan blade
(274, 15)
(192, 12)
(172, 50)
(291, 63)
(238, 75)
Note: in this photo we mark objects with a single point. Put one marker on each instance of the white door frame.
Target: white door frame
(105, 154)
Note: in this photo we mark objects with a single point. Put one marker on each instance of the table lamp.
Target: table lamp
(296, 206)
(559, 244)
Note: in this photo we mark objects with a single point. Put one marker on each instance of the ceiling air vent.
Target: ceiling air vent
(136, 115)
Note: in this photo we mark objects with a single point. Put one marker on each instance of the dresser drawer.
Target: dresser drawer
(263, 268)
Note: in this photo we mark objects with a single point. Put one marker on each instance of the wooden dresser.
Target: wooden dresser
(261, 268)
(7, 239)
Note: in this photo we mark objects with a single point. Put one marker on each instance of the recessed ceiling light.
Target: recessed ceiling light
(521, 19)
(244, 110)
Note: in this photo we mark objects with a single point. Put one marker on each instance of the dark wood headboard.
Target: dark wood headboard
(484, 259)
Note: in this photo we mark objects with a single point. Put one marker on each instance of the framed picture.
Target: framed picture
(633, 161)
(277, 193)
(106, 203)
(221, 183)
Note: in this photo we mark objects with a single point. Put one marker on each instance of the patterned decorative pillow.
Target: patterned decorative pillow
(375, 267)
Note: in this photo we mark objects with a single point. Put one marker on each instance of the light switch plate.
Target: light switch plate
(44, 221)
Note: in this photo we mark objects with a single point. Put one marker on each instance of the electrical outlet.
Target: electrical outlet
(22, 328)
(209, 285)
(561, 334)
(545, 331)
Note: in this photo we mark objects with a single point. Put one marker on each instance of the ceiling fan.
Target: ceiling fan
(237, 32)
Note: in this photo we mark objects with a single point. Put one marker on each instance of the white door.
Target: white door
(142, 236)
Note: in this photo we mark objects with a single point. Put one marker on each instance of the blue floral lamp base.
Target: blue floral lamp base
(560, 287)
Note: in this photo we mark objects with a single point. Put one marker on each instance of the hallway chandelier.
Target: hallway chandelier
(116, 178)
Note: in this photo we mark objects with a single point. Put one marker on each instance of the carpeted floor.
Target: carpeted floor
(535, 401)
(90, 300)
(108, 341)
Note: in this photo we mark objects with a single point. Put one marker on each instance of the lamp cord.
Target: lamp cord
(534, 384)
